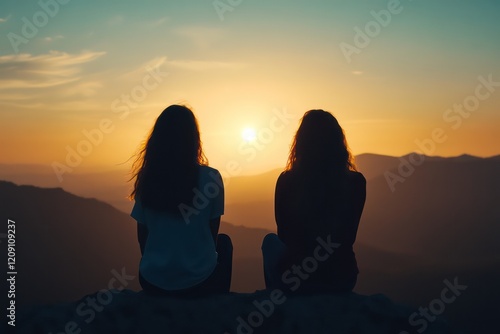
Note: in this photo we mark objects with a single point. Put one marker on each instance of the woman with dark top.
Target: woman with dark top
(318, 204)
(178, 204)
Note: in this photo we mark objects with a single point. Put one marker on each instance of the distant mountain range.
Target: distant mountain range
(442, 222)
(430, 208)
(66, 245)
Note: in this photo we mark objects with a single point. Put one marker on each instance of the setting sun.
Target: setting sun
(201, 151)
(249, 134)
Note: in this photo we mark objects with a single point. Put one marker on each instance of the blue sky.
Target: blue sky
(263, 55)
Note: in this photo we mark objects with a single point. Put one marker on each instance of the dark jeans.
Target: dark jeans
(273, 251)
(218, 282)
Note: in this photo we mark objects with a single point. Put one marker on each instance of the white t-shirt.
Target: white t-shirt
(180, 250)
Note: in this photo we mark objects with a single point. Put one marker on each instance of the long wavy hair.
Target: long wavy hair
(320, 145)
(166, 168)
(320, 162)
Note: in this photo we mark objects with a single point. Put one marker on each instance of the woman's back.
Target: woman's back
(178, 204)
(180, 251)
(321, 208)
(318, 201)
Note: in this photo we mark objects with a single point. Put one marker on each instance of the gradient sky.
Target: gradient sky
(260, 64)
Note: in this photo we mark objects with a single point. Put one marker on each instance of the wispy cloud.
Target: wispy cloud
(46, 70)
(17, 97)
(159, 22)
(53, 38)
(3, 20)
(138, 72)
(84, 89)
(186, 64)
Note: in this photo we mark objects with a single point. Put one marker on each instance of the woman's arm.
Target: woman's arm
(142, 236)
(279, 205)
(214, 228)
(358, 204)
(282, 208)
(218, 205)
(360, 194)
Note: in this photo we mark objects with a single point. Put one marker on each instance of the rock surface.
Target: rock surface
(113, 311)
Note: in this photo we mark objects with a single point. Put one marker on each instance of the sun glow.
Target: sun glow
(249, 134)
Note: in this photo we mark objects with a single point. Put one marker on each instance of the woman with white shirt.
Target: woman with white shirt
(179, 200)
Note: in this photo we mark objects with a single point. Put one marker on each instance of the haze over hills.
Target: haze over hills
(441, 222)
(67, 246)
(75, 245)
(70, 246)
(242, 192)
(443, 210)
(433, 207)
(446, 209)
(109, 186)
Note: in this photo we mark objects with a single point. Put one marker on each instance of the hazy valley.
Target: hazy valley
(442, 222)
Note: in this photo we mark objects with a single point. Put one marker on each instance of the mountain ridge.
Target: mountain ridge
(94, 252)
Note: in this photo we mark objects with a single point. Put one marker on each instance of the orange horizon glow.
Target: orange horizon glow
(70, 89)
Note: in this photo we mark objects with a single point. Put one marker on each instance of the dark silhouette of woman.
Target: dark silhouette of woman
(318, 204)
(178, 204)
